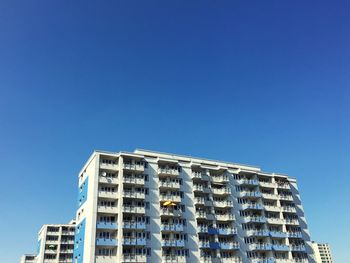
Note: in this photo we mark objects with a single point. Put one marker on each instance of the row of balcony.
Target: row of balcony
(126, 166)
(276, 247)
(218, 245)
(220, 217)
(217, 231)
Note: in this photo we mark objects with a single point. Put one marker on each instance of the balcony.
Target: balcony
(263, 260)
(267, 184)
(106, 225)
(286, 197)
(204, 244)
(293, 222)
(257, 233)
(231, 259)
(250, 206)
(283, 186)
(51, 251)
(134, 241)
(67, 251)
(172, 227)
(199, 201)
(200, 175)
(247, 194)
(220, 179)
(280, 247)
(221, 191)
(173, 243)
(134, 194)
(278, 234)
(202, 229)
(174, 198)
(269, 196)
(227, 231)
(168, 172)
(134, 258)
(295, 234)
(254, 219)
(225, 217)
(107, 242)
(260, 246)
(169, 185)
(299, 248)
(170, 212)
(107, 209)
(140, 168)
(229, 245)
(272, 208)
(66, 241)
(105, 194)
(134, 225)
(108, 180)
(223, 204)
(134, 209)
(173, 259)
(109, 166)
(200, 188)
(290, 209)
(251, 182)
(201, 214)
(214, 245)
(275, 221)
(134, 180)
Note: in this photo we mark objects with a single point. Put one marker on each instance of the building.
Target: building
(55, 243)
(28, 258)
(322, 252)
(148, 206)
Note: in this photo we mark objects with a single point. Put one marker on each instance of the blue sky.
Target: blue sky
(258, 82)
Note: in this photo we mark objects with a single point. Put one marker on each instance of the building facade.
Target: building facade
(148, 206)
(322, 252)
(55, 243)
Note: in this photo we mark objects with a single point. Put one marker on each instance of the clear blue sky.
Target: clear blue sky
(258, 82)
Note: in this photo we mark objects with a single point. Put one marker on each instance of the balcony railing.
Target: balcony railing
(229, 245)
(289, 221)
(172, 227)
(254, 194)
(268, 184)
(134, 209)
(134, 194)
(201, 214)
(227, 231)
(279, 234)
(134, 180)
(134, 225)
(202, 229)
(295, 234)
(173, 243)
(225, 217)
(107, 209)
(106, 194)
(248, 182)
(106, 225)
(260, 246)
(221, 191)
(166, 184)
(274, 220)
(220, 179)
(269, 196)
(109, 166)
(134, 241)
(174, 198)
(171, 212)
(280, 247)
(286, 197)
(173, 259)
(258, 233)
(134, 167)
(223, 203)
(289, 209)
(273, 208)
(251, 206)
(166, 171)
(254, 219)
(134, 258)
(106, 242)
(297, 248)
(108, 180)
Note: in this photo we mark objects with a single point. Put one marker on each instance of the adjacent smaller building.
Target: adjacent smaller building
(322, 252)
(28, 258)
(55, 244)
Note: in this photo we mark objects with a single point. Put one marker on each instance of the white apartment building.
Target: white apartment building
(322, 252)
(55, 243)
(148, 206)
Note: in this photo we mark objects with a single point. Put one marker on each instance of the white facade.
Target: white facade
(55, 243)
(322, 252)
(154, 207)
